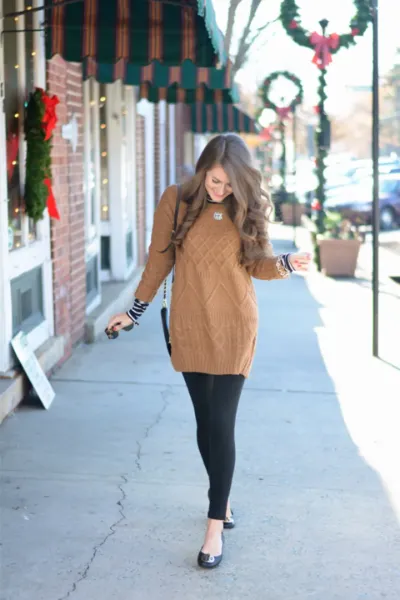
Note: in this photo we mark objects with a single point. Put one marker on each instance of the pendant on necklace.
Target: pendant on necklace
(218, 216)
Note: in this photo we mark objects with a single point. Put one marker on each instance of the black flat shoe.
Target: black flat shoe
(209, 561)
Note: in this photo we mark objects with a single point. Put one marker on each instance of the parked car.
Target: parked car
(354, 202)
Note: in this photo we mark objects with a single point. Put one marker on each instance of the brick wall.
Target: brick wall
(68, 234)
(141, 188)
(157, 165)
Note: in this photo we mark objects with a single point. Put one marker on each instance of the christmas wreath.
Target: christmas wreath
(40, 121)
(324, 46)
(282, 111)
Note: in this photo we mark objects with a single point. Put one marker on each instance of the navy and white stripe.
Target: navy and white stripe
(137, 310)
(285, 260)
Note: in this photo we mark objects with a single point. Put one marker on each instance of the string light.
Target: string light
(18, 245)
(16, 211)
(103, 99)
(103, 126)
(105, 181)
(33, 53)
(15, 19)
(14, 162)
(17, 66)
(92, 103)
(104, 153)
(29, 8)
(16, 115)
(105, 208)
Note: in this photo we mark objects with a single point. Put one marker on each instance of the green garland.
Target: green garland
(265, 88)
(290, 20)
(38, 159)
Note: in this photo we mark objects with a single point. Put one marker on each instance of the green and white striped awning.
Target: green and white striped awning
(160, 81)
(175, 94)
(221, 118)
(127, 33)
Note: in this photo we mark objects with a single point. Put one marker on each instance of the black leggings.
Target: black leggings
(215, 400)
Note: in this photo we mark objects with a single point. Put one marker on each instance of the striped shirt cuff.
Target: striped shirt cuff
(137, 310)
(285, 258)
(284, 265)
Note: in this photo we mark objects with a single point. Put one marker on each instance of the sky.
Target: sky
(276, 51)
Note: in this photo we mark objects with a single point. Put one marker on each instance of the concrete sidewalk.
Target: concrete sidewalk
(104, 495)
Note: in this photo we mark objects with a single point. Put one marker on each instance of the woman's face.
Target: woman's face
(217, 184)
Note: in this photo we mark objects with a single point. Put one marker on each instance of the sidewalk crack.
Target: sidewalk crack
(96, 548)
(139, 444)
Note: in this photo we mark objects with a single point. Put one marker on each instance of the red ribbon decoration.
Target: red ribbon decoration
(12, 153)
(323, 45)
(266, 133)
(51, 201)
(49, 120)
(283, 112)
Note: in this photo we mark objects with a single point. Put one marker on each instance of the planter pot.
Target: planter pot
(338, 258)
(291, 215)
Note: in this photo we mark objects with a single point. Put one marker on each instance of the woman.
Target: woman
(221, 242)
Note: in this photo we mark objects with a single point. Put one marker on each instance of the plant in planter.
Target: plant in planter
(338, 247)
(292, 210)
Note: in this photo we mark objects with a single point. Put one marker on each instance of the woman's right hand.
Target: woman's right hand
(118, 322)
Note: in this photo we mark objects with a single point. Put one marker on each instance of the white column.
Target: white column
(188, 148)
(131, 102)
(146, 109)
(172, 144)
(116, 210)
(5, 293)
(43, 226)
(162, 144)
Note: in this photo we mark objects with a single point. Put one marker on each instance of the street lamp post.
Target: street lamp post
(322, 139)
(375, 195)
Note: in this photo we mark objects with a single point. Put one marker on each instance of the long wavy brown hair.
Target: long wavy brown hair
(249, 205)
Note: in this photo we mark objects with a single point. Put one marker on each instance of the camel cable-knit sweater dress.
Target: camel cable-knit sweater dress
(214, 315)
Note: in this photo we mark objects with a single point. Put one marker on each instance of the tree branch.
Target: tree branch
(245, 43)
(231, 21)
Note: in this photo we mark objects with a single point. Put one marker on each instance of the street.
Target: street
(104, 496)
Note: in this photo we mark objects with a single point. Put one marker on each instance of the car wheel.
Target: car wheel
(388, 219)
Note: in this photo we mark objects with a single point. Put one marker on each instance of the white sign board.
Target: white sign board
(33, 370)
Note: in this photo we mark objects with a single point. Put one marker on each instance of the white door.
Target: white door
(26, 274)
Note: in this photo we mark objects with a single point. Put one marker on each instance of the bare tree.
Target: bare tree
(248, 36)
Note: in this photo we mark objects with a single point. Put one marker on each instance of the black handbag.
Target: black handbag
(164, 308)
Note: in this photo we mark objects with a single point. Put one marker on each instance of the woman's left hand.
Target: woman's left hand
(300, 261)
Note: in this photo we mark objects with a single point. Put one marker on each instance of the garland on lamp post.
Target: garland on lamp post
(282, 111)
(40, 121)
(324, 47)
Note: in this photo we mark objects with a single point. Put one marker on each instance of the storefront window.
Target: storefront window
(13, 130)
(104, 155)
(19, 56)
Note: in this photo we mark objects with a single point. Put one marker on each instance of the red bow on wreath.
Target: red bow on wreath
(49, 118)
(323, 45)
(283, 112)
(49, 122)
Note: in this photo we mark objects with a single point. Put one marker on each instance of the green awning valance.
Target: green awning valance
(221, 118)
(123, 33)
(186, 75)
(175, 94)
